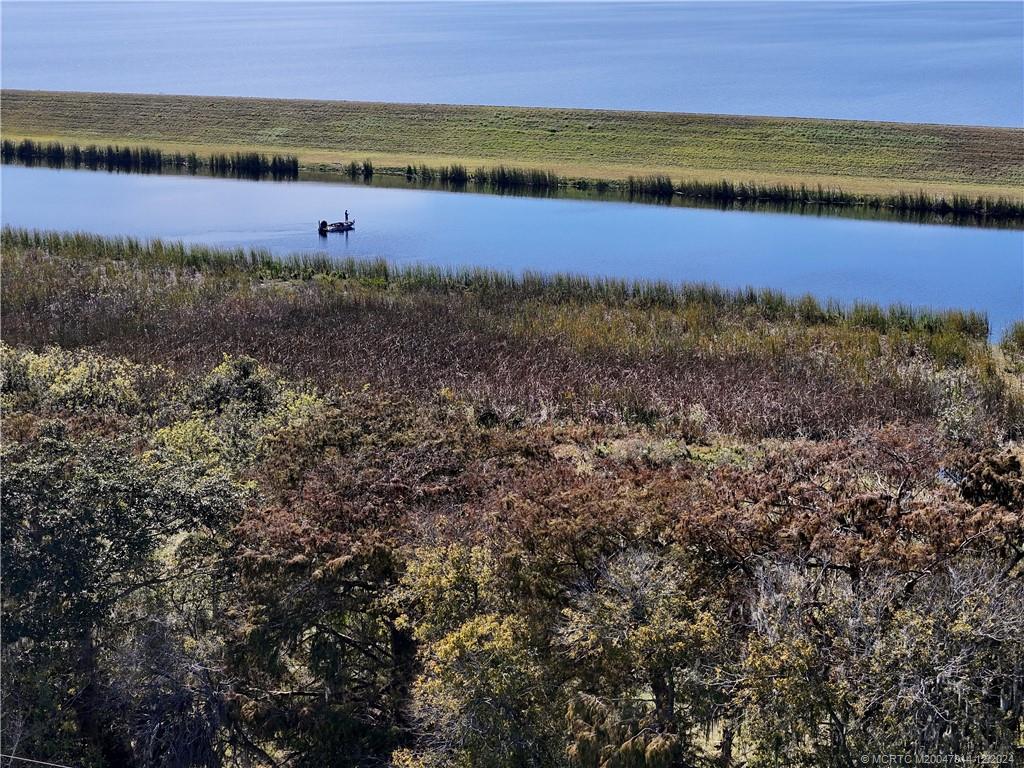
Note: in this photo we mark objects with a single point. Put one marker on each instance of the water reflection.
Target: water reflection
(581, 191)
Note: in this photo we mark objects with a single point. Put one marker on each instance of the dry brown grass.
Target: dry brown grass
(751, 364)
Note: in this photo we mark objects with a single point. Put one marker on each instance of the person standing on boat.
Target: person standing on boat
(346, 214)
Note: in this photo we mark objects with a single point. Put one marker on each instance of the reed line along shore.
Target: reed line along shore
(861, 158)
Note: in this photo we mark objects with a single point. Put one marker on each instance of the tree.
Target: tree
(486, 695)
(642, 641)
(83, 522)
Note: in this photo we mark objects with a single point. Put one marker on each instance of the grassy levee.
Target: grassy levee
(860, 157)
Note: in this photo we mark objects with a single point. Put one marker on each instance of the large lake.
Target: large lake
(845, 259)
(943, 62)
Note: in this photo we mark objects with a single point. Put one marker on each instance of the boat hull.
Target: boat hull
(338, 226)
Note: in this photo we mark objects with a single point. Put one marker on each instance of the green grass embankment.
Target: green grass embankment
(865, 158)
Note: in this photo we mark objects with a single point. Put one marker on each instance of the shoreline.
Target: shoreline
(963, 209)
(515, 288)
(867, 159)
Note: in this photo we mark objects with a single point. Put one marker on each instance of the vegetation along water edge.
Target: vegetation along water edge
(957, 208)
(864, 159)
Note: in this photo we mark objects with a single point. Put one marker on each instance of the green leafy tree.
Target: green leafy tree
(642, 641)
(486, 695)
(84, 522)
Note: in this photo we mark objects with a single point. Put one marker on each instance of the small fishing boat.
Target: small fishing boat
(338, 226)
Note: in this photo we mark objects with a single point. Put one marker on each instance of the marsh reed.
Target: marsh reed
(654, 188)
(148, 160)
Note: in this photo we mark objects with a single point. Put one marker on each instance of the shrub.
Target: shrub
(1012, 341)
(961, 417)
(239, 380)
(75, 381)
(191, 441)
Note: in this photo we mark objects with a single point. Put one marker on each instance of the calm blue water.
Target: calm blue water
(920, 61)
(936, 266)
